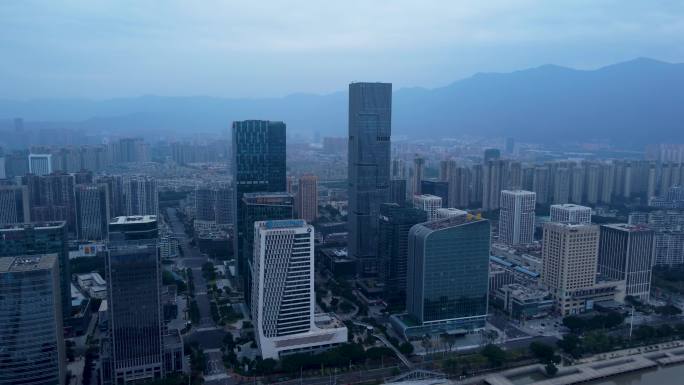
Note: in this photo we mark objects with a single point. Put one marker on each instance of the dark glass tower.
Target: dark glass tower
(394, 225)
(370, 128)
(134, 299)
(258, 166)
(448, 272)
(41, 238)
(257, 207)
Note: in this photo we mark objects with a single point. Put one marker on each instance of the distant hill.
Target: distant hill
(630, 103)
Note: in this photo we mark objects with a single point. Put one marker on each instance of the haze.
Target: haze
(94, 49)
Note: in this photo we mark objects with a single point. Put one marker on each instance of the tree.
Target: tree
(542, 351)
(266, 366)
(668, 310)
(406, 348)
(570, 344)
(551, 369)
(494, 354)
(449, 340)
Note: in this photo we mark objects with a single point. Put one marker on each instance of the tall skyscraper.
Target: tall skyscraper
(627, 252)
(40, 164)
(570, 213)
(52, 198)
(561, 185)
(115, 190)
(134, 300)
(14, 205)
(92, 211)
(370, 128)
(570, 257)
(394, 225)
(577, 192)
(307, 198)
(398, 191)
(140, 194)
(418, 166)
(205, 203)
(459, 187)
(283, 295)
(257, 207)
(258, 166)
(516, 217)
(541, 185)
(428, 203)
(448, 275)
(31, 334)
(493, 177)
(41, 238)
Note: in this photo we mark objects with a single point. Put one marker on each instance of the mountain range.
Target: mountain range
(629, 103)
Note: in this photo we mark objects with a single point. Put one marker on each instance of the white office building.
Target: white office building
(570, 213)
(40, 164)
(283, 298)
(428, 203)
(516, 217)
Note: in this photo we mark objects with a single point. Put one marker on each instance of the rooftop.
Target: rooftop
(282, 224)
(627, 227)
(133, 219)
(451, 221)
(571, 206)
(27, 263)
(34, 225)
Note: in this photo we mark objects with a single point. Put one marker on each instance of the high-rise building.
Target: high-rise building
(115, 190)
(448, 276)
(224, 204)
(541, 185)
(14, 205)
(258, 166)
(31, 332)
(418, 166)
(577, 182)
(493, 177)
(283, 294)
(205, 203)
(627, 252)
(398, 191)
(140, 195)
(307, 198)
(570, 213)
(40, 164)
(394, 224)
(257, 207)
(92, 212)
(41, 238)
(570, 258)
(370, 128)
(52, 198)
(134, 300)
(438, 188)
(459, 187)
(561, 185)
(429, 204)
(516, 217)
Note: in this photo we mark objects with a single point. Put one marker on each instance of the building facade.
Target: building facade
(41, 238)
(283, 297)
(394, 224)
(140, 196)
(135, 319)
(370, 128)
(31, 332)
(307, 198)
(92, 212)
(570, 213)
(627, 252)
(40, 164)
(516, 217)
(448, 277)
(259, 165)
(14, 205)
(428, 203)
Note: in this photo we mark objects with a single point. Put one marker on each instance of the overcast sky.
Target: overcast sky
(251, 48)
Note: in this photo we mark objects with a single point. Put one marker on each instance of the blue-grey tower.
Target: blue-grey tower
(258, 166)
(370, 128)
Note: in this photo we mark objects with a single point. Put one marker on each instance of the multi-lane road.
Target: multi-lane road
(205, 333)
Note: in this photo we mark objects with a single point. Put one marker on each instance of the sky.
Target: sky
(106, 49)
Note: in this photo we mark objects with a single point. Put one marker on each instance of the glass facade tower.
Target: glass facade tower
(370, 128)
(31, 334)
(448, 267)
(258, 166)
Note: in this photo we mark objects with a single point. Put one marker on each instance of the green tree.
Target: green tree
(494, 354)
(551, 369)
(406, 348)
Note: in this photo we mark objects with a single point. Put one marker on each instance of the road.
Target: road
(206, 333)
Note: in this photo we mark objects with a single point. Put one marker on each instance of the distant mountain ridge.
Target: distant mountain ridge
(634, 102)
